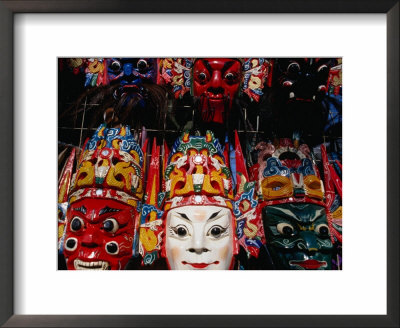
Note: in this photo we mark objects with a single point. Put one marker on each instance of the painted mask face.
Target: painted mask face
(298, 236)
(99, 234)
(216, 81)
(199, 237)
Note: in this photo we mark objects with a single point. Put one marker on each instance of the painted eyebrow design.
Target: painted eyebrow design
(108, 210)
(227, 65)
(207, 65)
(81, 209)
(184, 216)
(214, 215)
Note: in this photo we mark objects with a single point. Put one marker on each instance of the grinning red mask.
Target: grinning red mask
(99, 234)
(216, 81)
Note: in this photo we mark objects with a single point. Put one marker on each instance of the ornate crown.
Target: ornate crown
(110, 167)
(288, 174)
(196, 173)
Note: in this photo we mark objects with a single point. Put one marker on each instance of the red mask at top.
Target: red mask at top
(216, 81)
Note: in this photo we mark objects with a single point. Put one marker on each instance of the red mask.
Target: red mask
(216, 81)
(99, 234)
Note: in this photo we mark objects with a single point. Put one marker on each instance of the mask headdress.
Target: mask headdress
(196, 173)
(288, 174)
(110, 167)
(249, 228)
(151, 228)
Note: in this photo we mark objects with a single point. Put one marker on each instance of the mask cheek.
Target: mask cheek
(224, 253)
(175, 256)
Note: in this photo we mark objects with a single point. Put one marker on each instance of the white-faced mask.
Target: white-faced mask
(199, 237)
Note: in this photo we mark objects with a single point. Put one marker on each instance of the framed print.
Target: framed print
(38, 38)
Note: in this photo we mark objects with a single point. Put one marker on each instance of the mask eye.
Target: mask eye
(112, 248)
(180, 230)
(71, 244)
(110, 225)
(115, 66)
(322, 230)
(76, 224)
(230, 78)
(322, 69)
(142, 64)
(216, 231)
(293, 68)
(202, 77)
(285, 229)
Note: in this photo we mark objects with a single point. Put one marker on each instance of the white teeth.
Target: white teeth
(313, 97)
(291, 95)
(99, 265)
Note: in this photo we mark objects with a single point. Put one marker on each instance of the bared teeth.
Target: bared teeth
(94, 265)
(291, 95)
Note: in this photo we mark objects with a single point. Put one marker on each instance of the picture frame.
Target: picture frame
(9, 8)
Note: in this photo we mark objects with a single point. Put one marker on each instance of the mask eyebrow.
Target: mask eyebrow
(213, 216)
(184, 216)
(108, 210)
(227, 65)
(207, 65)
(81, 209)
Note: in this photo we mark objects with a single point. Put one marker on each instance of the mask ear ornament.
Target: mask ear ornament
(63, 189)
(249, 228)
(151, 225)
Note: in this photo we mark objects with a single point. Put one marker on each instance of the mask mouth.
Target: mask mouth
(308, 264)
(94, 265)
(199, 265)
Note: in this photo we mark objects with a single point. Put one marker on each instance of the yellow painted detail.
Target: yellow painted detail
(276, 187)
(87, 171)
(148, 239)
(312, 186)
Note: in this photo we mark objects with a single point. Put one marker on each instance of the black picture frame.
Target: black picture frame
(7, 10)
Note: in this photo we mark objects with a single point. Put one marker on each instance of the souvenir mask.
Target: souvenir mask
(296, 217)
(106, 189)
(198, 227)
(304, 79)
(216, 82)
(298, 236)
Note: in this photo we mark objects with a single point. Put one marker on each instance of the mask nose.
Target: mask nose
(216, 80)
(310, 241)
(127, 69)
(91, 239)
(197, 245)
